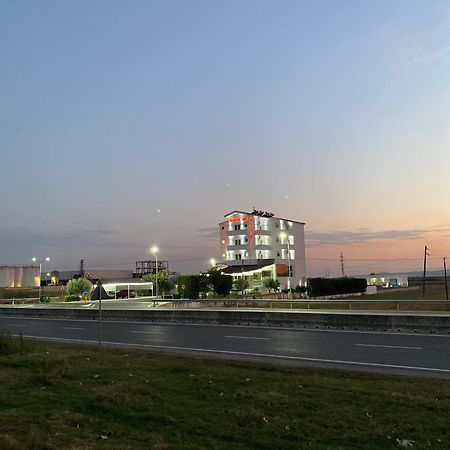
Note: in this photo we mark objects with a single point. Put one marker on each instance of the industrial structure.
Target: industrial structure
(19, 276)
(149, 267)
(255, 245)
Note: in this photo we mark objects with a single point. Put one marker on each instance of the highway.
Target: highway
(399, 353)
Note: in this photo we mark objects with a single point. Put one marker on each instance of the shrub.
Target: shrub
(10, 344)
(318, 287)
(71, 298)
(77, 286)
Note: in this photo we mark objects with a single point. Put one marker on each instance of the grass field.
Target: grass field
(72, 397)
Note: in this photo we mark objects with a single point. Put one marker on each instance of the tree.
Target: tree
(219, 282)
(164, 283)
(189, 286)
(77, 286)
(225, 285)
(241, 284)
(270, 283)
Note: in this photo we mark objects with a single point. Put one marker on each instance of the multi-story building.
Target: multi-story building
(257, 245)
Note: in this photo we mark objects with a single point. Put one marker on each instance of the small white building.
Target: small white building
(257, 244)
(387, 280)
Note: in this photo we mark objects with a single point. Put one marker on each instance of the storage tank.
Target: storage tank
(31, 276)
(6, 276)
(18, 276)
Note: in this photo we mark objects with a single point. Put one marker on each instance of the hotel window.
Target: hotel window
(237, 226)
(238, 257)
(237, 242)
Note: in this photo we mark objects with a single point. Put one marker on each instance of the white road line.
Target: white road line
(298, 329)
(15, 325)
(149, 332)
(72, 328)
(248, 337)
(259, 355)
(389, 346)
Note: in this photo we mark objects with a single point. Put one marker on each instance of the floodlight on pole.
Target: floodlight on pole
(40, 261)
(155, 251)
(212, 261)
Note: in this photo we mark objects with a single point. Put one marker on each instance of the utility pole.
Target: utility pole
(82, 268)
(445, 276)
(342, 266)
(424, 269)
(99, 287)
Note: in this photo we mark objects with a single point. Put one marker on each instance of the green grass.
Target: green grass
(72, 397)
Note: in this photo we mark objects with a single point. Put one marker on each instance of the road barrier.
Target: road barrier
(18, 301)
(384, 321)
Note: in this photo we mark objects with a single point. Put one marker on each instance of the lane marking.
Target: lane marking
(15, 325)
(389, 346)
(72, 328)
(248, 337)
(259, 355)
(149, 332)
(255, 327)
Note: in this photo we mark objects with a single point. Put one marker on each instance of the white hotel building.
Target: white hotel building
(258, 245)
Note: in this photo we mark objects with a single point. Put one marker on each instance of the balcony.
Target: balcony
(262, 246)
(237, 247)
(262, 232)
(233, 232)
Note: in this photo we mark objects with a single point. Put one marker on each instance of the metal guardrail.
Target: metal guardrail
(13, 301)
(264, 303)
(309, 304)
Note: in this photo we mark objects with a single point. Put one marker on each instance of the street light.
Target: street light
(283, 236)
(212, 261)
(155, 251)
(41, 261)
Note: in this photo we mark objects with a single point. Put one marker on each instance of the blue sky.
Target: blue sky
(125, 124)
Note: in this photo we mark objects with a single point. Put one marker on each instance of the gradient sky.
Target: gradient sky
(129, 123)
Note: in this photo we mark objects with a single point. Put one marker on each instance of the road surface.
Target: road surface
(403, 353)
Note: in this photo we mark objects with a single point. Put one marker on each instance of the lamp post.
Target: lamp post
(212, 261)
(284, 235)
(40, 261)
(155, 251)
(445, 275)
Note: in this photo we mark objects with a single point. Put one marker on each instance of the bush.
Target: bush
(77, 286)
(191, 285)
(10, 344)
(318, 287)
(72, 298)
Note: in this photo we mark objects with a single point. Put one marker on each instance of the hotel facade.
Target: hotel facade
(257, 245)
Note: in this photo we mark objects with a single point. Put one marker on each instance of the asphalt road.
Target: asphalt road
(370, 351)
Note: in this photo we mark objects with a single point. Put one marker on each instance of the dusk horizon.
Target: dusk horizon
(127, 126)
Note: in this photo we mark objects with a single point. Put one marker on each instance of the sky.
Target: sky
(125, 124)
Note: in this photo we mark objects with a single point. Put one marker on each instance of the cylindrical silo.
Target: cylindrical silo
(6, 276)
(31, 276)
(18, 276)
